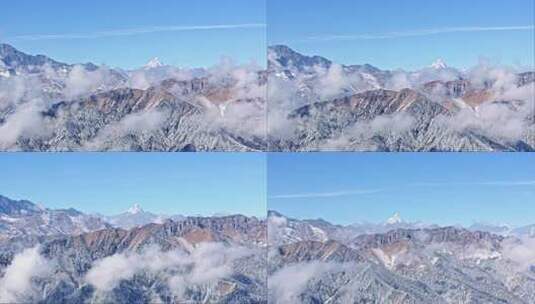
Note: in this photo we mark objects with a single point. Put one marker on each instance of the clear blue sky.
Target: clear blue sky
(440, 188)
(297, 22)
(190, 48)
(109, 183)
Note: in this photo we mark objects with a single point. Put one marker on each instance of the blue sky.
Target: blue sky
(109, 183)
(313, 27)
(440, 188)
(26, 24)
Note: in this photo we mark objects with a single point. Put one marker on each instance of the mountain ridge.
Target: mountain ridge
(414, 265)
(450, 110)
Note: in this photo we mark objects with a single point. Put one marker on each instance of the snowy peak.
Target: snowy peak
(135, 216)
(394, 219)
(439, 64)
(153, 63)
(11, 207)
(285, 57)
(23, 218)
(135, 209)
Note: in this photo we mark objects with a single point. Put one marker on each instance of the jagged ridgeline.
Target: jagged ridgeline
(46, 105)
(398, 262)
(66, 256)
(312, 104)
(316, 104)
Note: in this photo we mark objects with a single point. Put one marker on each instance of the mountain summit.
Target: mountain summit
(135, 209)
(439, 64)
(394, 219)
(153, 63)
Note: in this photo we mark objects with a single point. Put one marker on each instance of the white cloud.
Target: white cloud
(137, 31)
(133, 124)
(80, 81)
(331, 82)
(420, 32)
(138, 122)
(12, 91)
(287, 284)
(522, 252)
(509, 183)
(386, 125)
(276, 225)
(16, 284)
(27, 121)
(234, 100)
(204, 265)
(480, 111)
(325, 194)
(238, 103)
(492, 119)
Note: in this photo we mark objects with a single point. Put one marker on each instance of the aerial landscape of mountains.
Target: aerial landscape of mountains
(312, 104)
(65, 256)
(47, 105)
(314, 261)
(318, 105)
(267, 152)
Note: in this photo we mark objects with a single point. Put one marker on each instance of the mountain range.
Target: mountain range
(313, 261)
(285, 229)
(316, 104)
(22, 217)
(46, 105)
(136, 216)
(66, 256)
(312, 104)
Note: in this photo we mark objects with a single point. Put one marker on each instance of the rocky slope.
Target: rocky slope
(415, 265)
(285, 230)
(194, 260)
(23, 218)
(47, 105)
(315, 104)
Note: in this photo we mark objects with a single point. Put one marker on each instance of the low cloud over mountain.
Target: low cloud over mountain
(47, 105)
(170, 260)
(313, 261)
(316, 104)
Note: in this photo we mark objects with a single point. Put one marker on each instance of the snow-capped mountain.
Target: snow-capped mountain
(24, 218)
(285, 230)
(153, 63)
(135, 209)
(20, 218)
(416, 265)
(84, 107)
(135, 216)
(392, 223)
(320, 105)
(394, 219)
(60, 256)
(219, 260)
(439, 64)
(17, 62)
